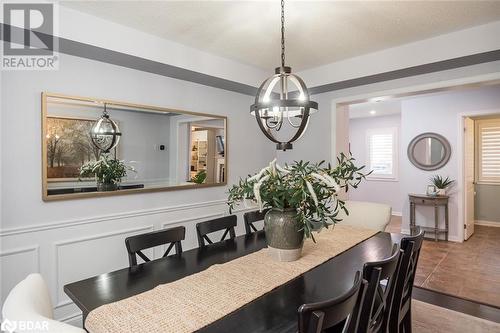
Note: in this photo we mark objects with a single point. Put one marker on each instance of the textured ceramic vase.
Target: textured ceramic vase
(283, 234)
(441, 191)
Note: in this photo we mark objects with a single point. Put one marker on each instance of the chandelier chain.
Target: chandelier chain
(282, 33)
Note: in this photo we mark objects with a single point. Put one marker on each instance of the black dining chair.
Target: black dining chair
(226, 223)
(400, 319)
(322, 316)
(135, 244)
(251, 217)
(376, 306)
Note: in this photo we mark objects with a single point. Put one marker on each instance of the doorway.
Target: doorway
(481, 175)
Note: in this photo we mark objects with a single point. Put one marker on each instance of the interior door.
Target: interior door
(469, 177)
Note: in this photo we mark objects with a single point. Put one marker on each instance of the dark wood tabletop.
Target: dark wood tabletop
(273, 312)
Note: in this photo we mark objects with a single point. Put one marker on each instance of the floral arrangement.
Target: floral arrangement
(311, 189)
(106, 170)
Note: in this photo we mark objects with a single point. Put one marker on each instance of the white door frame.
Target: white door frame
(338, 103)
(461, 161)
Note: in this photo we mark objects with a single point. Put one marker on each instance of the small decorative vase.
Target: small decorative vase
(105, 187)
(283, 234)
(441, 191)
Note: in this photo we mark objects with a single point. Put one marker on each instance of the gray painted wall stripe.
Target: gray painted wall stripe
(410, 71)
(88, 51)
(126, 60)
(92, 52)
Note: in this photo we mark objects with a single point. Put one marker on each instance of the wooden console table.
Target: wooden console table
(426, 200)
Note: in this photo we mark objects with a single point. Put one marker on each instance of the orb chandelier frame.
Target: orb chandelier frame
(105, 133)
(275, 102)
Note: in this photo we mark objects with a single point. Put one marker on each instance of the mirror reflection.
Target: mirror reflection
(428, 151)
(105, 147)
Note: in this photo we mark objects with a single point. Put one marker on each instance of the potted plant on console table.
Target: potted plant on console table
(441, 183)
(302, 196)
(107, 171)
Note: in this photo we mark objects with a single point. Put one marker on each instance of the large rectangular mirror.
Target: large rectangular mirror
(155, 149)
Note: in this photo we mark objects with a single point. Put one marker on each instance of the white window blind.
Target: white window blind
(488, 152)
(382, 159)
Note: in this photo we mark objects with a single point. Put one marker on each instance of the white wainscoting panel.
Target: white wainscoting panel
(85, 257)
(15, 265)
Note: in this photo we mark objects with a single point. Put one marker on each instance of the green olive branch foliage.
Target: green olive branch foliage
(288, 189)
(106, 170)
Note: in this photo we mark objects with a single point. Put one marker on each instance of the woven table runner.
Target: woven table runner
(193, 302)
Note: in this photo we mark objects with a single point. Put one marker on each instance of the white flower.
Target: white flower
(256, 191)
(258, 175)
(311, 191)
(328, 180)
(272, 167)
(336, 187)
(281, 169)
(320, 178)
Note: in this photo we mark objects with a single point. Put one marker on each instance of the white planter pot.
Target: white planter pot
(441, 191)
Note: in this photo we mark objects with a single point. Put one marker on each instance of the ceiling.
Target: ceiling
(375, 109)
(317, 32)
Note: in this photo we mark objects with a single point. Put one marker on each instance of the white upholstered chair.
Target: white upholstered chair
(29, 301)
(366, 214)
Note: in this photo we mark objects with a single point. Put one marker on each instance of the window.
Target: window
(382, 153)
(488, 150)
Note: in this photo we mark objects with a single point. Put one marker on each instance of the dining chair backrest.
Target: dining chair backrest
(135, 244)
(226, 223)
(401, 305)
(321, 316)
(376, 306)
(29, 302)
(251, 217)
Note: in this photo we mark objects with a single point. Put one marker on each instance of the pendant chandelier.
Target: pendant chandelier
(283, 98)
(105, 133)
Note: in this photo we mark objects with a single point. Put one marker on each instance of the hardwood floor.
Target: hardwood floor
(469, 270)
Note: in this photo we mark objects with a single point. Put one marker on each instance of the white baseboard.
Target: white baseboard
(487, 223)
(450, 238)
(397, 213)
(405, 231)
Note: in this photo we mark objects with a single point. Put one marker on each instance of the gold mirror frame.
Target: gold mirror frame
(45, 197)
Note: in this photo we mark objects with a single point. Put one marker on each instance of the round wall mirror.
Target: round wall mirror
(429, 151)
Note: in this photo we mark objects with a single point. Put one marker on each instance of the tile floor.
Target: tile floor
(469, 270)
(428, 318)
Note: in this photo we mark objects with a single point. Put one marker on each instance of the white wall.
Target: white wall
(70, 240)
(316, 143)
(374, 190)
(440, 113)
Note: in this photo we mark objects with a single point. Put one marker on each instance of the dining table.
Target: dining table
(275, 311)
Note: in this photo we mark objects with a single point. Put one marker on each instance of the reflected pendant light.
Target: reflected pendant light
(105, 133)
(283, 97)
